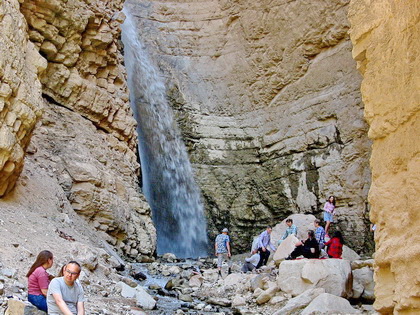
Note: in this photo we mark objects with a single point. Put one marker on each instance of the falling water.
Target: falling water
(168, 181)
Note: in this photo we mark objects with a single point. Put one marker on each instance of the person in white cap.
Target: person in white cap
(222, 250)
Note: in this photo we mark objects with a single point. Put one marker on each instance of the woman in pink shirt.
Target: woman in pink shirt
(39, 279)
(329, 209)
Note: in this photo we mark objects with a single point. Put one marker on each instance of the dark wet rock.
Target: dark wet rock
(140, 276)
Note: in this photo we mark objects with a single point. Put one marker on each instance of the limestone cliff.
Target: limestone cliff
(68, 51)
(386, 37)
(267, 97)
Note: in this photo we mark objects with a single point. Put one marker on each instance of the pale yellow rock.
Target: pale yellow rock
(386, 39)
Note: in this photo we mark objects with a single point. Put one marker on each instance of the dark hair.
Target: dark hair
(318, 221)
(311, 233)
(269, 227)
(40, 260)
(333, 199)
(289, 220)
(74, 263)
(338, 235)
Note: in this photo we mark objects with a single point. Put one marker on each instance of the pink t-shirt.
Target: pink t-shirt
(329, 207)
(38, 280)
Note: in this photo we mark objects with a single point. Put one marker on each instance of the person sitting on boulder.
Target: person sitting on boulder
(291, 229)
(39, 279)
(251, 262)
(335, 245)
(308, 248)
(319, 233)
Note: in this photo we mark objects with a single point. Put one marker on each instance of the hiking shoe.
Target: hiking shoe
(229, 271)
(220, 273)
(288, 258)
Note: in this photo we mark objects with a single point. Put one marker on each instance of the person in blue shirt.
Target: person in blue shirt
(222, 250)
(264, 242)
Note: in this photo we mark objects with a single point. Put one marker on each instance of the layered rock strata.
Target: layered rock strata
(69, 51)
(386, 37)
(267, 97)
(20, 92)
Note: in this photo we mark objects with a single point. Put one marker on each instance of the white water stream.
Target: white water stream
(168, 181)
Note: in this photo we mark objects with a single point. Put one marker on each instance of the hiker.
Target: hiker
(335, 245)
(319, 233)
(251, 262)
(65, 295)
(264, 241)
(39, 279)
(329, 210)
(291, 229)
(309, 248)
(222, 250)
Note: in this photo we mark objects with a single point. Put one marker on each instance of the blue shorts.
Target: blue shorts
(328, 216)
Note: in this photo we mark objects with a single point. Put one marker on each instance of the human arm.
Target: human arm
(80, 308)
(62, 305)
(228, 248)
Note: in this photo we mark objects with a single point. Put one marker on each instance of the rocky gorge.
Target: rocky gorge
(268, 100)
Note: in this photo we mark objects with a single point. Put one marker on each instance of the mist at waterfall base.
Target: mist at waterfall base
(168, 181)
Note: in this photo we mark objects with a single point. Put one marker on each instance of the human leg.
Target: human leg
(39, 301)
(219, 261)
(247, 267)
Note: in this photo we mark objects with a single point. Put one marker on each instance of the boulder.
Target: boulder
(303, 222)
(266, 295)
(363, 284)
(334, 275)
(300, 301)
(277, 299)
(126, 290)
(196, 281)
(185, 298)
(285, 248)
(17, 307)
(326, 303)
(234, 279)
(219, 301)
(349, 254)
(258, 282)
(210, 275)
(144, 299)
(357, 264)
(238, 301)
(169, 257)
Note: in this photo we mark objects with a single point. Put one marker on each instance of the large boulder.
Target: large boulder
(300, 301)
(363, 284)
(285, 248)
(143, 299)
(334, 275)
(329, 304)
(303, 222)
(16, 307)
(349, 254)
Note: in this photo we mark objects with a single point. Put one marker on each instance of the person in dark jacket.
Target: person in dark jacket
(308, 248)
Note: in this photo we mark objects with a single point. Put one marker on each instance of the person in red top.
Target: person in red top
(39, 279)
(335, 245)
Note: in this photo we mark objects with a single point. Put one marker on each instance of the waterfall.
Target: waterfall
(168, 181)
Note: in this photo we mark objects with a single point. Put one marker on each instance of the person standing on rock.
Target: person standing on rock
(291, 229)
(329, 210)
(222, 250)
(39, 279)
(65, 294)
(264, 242)
(319, 233)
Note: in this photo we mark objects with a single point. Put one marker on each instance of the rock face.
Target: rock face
(329, 304)
(386, 41)
(20, 92)
(297, 276)
(68, 52)
(263, 94)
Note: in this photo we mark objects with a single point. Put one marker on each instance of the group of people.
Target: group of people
(62, 295)
(309, 248)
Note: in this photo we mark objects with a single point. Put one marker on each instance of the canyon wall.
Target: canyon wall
(268, 99)
(61, 64)
(386, 37)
